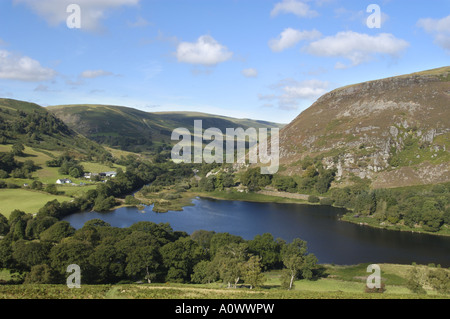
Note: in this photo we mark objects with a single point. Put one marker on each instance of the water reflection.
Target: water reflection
(330, 239)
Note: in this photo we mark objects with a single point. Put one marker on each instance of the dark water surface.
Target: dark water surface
(331, 240)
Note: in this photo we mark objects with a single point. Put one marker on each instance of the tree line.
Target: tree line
(147, 252)
(427, 207)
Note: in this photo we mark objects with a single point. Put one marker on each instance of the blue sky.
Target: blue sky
(260, 59)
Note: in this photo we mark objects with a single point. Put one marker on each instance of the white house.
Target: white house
(109, 174)
(90, 175)
(63, 181)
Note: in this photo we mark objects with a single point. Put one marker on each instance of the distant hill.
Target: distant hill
(134, 130)
(32, 125)
(395, 131)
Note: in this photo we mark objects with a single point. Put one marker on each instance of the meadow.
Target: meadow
(28, 201)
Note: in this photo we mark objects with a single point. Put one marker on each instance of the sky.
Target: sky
(259, 59)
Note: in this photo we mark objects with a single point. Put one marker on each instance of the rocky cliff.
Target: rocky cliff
(395, 131)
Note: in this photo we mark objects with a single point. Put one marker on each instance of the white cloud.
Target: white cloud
(92, 11)
(306, 90)
(299, 8)
(92, 74)
(250, 73)
(23, 68)
(439, 28)
(206, 51)
(290, 37)
(357, 47)
(291, 92)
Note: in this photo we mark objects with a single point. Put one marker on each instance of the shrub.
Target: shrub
(313, 199)
(326, 201)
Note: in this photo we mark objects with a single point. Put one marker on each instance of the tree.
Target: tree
(57, 232)
(28, 253)
(222, 239)
(143, 262)
(88, 234)
(16, 215)
(203, 238)
(4, 225)
(75, 172)
(108, 262)
(230, 260)
(17, 149)
(6, 259)
(204, 272)
(207, 184)
(51, 189)
(18, 223)
(416, 280)
(37, 185)
(313, 199)
(97, 223)
(431, 216)
(440, 280)
(40, 274)
(180, 257)
(103, 204)
(324, 180)
(267, 249)
(39, 224)
(252, 272)
(284, 183)
(254, 180)
(297, 261)
(72, 252)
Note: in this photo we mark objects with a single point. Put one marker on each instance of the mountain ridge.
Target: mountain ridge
(136, 130)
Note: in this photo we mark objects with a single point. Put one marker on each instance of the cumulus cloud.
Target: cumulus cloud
(357, 47)
(17, 67)
(291, 92)
(299, 8)
(205, 51)
(290, 37)
(439, 28)
(92, 11)
(92, 74)
(250, 73)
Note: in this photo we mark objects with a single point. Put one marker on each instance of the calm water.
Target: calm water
(331, 240)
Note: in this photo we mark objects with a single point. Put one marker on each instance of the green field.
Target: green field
(25, 200)
(339, 282)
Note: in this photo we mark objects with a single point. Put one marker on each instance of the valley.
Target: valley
(378, 151)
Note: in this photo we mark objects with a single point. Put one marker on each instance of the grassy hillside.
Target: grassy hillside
(32, 125)
(130, 129)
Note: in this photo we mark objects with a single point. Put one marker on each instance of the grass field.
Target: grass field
(343, 282)
(25, 200)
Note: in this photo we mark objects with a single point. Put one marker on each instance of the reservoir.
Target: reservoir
(329, 238)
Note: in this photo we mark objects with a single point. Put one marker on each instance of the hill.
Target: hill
(134, 130)
(394, 132)
(33, 126)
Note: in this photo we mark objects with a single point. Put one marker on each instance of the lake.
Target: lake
(331, 240)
